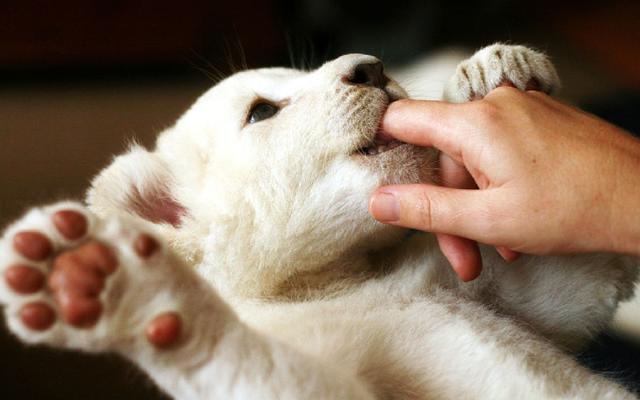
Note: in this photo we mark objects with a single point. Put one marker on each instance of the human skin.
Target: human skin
(523, 172)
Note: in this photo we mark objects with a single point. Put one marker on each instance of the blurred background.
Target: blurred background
(80, 78)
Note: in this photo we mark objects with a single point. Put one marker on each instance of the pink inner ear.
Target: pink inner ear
(157, 206)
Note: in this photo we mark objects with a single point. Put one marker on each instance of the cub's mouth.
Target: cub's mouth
(380, 144)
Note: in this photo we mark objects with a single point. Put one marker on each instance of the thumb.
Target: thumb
(460, 212)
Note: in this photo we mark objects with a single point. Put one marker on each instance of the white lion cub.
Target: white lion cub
(237, 259)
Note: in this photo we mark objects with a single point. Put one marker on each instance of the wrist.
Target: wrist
(626, 234)
(624, 226)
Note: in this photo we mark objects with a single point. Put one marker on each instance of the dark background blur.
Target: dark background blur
(80, 78)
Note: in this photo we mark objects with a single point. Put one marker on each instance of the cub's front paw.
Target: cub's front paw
(69, 279)
(500, 65)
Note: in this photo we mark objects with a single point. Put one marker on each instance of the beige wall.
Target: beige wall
(53, 139)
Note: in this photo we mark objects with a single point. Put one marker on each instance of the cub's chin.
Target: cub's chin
(400, 163)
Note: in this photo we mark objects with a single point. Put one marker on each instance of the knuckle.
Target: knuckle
(488, 112)
(424, 211)
(504, 94)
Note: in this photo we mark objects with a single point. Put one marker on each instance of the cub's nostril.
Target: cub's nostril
(370, 74)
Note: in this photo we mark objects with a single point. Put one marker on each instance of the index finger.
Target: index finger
(428, 123)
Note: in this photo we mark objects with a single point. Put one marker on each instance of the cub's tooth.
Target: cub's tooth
(381, 149)
(371, 151)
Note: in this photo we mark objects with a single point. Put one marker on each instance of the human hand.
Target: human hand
(551, 178)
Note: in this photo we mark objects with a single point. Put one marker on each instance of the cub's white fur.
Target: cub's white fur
(290, 290)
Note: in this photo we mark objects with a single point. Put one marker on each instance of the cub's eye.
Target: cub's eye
(261, 111)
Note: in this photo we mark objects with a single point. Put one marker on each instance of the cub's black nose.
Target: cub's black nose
(368, 74)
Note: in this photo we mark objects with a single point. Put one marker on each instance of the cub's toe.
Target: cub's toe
(37, 316)
(32, 245)
(24, 279)
(71, 224)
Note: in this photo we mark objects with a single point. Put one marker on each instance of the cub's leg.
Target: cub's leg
(480, 355)
(71, 280)
(499, 65)
(568, 299)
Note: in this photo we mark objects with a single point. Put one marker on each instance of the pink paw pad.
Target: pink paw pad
(77, 279)
(164, 330)
(71, 224)
(145, 246)
(38, 316)
(32, 245)
(23, 279)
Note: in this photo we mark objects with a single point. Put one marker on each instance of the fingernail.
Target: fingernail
(384, 207)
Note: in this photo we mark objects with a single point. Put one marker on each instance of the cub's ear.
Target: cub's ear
(138, 183)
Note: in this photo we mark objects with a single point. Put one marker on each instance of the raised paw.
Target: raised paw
(73, 280)
(501, 65)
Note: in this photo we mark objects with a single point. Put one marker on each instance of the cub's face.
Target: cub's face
(273, 169)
